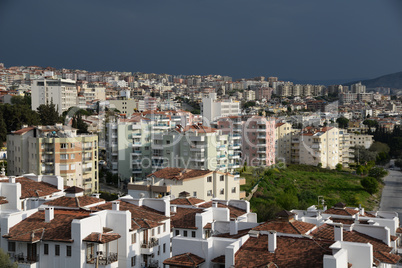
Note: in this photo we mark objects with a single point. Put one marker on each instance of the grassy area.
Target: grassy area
(298, 186)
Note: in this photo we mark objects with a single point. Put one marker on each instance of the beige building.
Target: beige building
(203, 184)
(55, 150)
(283, 141)
(62, 92)
(315, 146)
(361, 140)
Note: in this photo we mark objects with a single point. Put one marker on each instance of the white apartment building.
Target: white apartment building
(203, 184)
(55, 150)
(62, 92)
(315, 146)
(213, 109)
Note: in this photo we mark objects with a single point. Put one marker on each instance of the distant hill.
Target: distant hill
(390, 80)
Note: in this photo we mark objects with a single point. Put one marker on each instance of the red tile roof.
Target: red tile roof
(31, 188)
(142, 216)
(286, 227)
(74, 202)
(184, 260)
(179, 173)
(342, 220)
(74, 190)
(185, 218)
(290, 252)
(101, 238)
(34, 228)
(3, 200)
(22, 131)
(234, 211)
(186, 201)
(341, 211)
(326, 232)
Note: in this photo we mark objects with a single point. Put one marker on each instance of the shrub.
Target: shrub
(339, 167)
(370, 185)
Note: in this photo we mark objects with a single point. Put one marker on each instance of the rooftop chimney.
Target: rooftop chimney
(116, 205)
(271, 241)
(49, 214)
(11, 179)
(338, 232)
(361, 210)
(214, 204)
(234, 227)
(96, 195)
(173, 209)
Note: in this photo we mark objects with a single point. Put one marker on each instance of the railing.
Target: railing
(153, 242)
(103, 260)
(153, 264)
(20, 258)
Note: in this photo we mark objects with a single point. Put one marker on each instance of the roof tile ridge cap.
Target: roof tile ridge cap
(188, 256)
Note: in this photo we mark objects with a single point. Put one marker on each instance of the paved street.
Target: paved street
(391, 199)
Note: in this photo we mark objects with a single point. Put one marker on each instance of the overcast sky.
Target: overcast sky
(292, 39)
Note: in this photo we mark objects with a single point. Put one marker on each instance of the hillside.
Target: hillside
(299, 186)
(390, 80)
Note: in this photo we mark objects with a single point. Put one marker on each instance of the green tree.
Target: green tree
(48, 114)
(3, 130)
(363, 155)
(379, 147)
(377, 173)
(343, 122)
(79, 124)
(339, 167)
(370, 185)
(5, 261)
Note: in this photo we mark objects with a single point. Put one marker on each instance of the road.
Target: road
(391, 199)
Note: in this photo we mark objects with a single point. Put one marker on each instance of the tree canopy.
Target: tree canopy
(343, 122)
(48, 114)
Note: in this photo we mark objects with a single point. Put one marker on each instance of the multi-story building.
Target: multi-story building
(314, 146)
(358, 88)
(347, 97)
(263, 93)
(283, 141)
(55, 150)
(258, 141)
(204, 184)
(345, 149)
(213, 109)
(61, 92)
(361, 140)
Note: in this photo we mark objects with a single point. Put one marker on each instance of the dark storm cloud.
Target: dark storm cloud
(294, 39)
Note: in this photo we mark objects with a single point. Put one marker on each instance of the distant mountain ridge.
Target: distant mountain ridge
(390, 80)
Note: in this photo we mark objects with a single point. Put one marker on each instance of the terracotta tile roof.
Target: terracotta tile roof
(341, 211)
(22, 131)
(286, 227)
(399, 230)
(386, 257)
(200, 129)
(342, 220)
(31, 188)
(184, 260)
(74, 202)
(34, 228)
(393, 237)
(290, 252)
(74, 190)
(234, 212)
(184, 218)
(186, 201)
(179, 173)
(3, 200)
(208, 226)
(101, 238)
(326, 232)
(234, 236)
(142, 216)
(219, 259)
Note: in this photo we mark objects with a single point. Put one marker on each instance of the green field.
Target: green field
(298, 186)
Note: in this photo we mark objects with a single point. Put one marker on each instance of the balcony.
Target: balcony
(221, 156)
(261, 130)
(148, 248)
(137, 171)
(197, 138)
(197, 149)
(295, 141)
(22, 259)
(87, 159)
(136, 152)
(87, 170)
(87, 148)
(49, 151)
(103, 259)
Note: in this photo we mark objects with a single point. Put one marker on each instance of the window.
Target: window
(209, 179)
(72, 167)
(72, 145)
(185, 233)
(63, 166)
(159, 229)
(63, 145)
(177, 232)
(72, 156)
(233, 190)
(11, 246)
(164, 248)
(153, 232)
(134, 238)
(68, 251)
(133, 259)
(193, 234)
(222, 191)
(164, 227)
(159, 250)
(195, 194)
(209, 193)
(222, 178)
(63, 156)
(57, 250)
